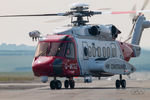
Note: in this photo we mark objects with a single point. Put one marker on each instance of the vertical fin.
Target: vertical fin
(141, 23)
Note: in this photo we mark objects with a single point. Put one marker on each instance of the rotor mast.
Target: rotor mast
(79, 12)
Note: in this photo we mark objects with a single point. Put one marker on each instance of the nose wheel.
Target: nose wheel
(55, 84)
(120, 83)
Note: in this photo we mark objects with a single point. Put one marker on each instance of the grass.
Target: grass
(16, 76)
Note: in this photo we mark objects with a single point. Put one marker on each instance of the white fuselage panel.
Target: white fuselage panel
(91, 54)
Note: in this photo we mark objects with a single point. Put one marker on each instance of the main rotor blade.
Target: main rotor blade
(59, 14)
(119, 12)
(125, 12)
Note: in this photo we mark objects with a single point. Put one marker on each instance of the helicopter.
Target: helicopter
(86, 50)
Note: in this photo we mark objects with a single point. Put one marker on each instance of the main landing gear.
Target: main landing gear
(121, 83)
(56, 84)
(70, 83)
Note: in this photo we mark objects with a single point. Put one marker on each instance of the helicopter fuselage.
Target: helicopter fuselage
(67, 54)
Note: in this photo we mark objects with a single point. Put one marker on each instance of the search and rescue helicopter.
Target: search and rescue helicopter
(85, 50)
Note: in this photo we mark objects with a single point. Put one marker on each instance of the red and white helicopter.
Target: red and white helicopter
(85, 50)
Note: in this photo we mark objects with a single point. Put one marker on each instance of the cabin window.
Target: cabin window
(104, 52)
(85, 51)
(99, 52)
(70, 51)
(89, 51)
(94, 51)
(114, 53)
(113, 50)
(108, 52)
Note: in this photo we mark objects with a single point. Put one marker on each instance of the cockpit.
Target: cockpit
(55, 56)
(55, 48)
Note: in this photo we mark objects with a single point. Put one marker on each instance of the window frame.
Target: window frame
(71, 50)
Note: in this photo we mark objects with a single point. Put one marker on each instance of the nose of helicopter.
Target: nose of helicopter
(41, 66)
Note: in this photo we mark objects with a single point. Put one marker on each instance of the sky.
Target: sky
(15, 30)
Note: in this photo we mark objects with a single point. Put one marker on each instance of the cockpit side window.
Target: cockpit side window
(54, 48)
(57, 49)
(70, 51)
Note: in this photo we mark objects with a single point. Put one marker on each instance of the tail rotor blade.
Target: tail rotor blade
(145, 4)
(130, 34)
(132, 15)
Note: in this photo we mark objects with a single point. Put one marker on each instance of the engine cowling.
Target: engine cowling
(114, 31)
(94, 30)
(105, 31)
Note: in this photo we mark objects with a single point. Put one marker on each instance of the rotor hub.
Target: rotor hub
(79, 13)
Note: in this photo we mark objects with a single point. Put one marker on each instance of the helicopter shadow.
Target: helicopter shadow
(98, 88)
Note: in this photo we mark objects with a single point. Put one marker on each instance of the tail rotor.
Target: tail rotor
(135, 17)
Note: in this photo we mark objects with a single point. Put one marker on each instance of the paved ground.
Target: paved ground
(98, 90)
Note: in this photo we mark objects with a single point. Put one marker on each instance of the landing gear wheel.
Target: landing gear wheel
(52, 84)
(123, 84)
(117, 84)
(58, 84)
(66, 84)
(55, 84)
(72, 84)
